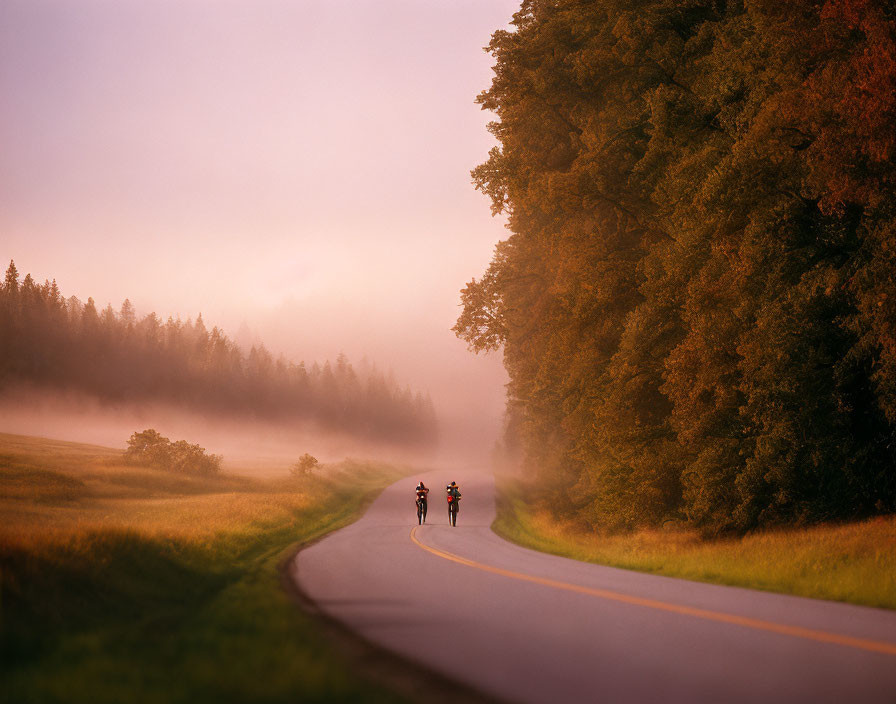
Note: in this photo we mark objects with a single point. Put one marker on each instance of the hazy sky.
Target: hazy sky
(301, 166)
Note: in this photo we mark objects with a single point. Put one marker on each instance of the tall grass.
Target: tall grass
(120, 584)
(852, 562)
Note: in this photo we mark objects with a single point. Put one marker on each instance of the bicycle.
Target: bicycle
(452, 511)
(421, 511)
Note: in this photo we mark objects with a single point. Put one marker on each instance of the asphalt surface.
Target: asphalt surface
(528, 627)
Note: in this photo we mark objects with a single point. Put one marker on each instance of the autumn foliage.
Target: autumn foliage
(697, 301)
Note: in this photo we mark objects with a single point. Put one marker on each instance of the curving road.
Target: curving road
(528, 627)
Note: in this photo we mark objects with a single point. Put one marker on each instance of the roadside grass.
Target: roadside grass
(119, 583)
(852, 562)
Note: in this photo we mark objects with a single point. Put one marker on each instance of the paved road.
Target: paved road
(530, 627)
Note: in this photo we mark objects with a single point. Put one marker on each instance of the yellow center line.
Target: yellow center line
(757, 624)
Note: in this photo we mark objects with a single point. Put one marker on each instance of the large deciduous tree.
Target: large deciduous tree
(696, 303)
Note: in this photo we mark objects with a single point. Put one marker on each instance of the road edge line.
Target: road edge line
(874, 646)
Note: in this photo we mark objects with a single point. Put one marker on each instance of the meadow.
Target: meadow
(121, 583)
(853, 561)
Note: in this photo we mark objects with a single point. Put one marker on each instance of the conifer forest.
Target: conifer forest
(53, 343)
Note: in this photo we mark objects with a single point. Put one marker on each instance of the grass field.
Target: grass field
(852, 562)
(127, 584)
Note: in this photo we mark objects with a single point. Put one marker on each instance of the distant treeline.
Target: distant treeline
(697, 303)
(53, 342)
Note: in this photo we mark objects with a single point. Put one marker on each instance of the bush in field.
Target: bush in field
(149, 447)
(191, 459)
(155, 450)
(304, 466)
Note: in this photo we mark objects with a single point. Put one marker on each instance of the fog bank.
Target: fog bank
(248, 446)
(302, 168)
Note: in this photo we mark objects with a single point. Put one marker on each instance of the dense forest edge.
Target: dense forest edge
(50, 342)
(697, 301)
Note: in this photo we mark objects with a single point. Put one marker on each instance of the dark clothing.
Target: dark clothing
(421, 504)
(453, 496)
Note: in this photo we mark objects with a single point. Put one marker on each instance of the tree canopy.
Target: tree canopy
(697, 300)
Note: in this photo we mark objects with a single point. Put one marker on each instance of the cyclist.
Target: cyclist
(453, 502)
(422, 491)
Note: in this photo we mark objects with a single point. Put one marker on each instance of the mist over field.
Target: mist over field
(254, 447)
(287, 173)
(414, 342)
(72, 372)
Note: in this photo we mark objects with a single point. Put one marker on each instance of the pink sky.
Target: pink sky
(299, 166)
